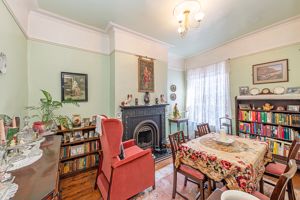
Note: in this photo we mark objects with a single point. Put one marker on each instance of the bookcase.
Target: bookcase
(278, 127)
(79, 151)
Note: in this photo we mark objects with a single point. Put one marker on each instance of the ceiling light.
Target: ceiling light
(189, 15)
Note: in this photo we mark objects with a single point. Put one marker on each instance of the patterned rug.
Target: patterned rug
(164, 184)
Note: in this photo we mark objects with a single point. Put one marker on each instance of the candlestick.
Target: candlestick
(2, 132)
(14, 123)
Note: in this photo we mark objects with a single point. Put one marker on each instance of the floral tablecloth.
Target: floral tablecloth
(241, 164)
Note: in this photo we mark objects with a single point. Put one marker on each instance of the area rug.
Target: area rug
(164, 184)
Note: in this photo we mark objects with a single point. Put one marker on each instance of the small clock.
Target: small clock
(266, 91)
(3, 65)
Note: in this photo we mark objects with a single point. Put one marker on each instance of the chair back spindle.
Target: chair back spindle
(203, 129)
(176, 139)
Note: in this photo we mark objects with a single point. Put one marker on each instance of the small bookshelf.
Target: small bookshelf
(79, 151)
(277, 127)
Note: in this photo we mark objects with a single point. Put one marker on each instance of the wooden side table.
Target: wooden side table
(178, 122)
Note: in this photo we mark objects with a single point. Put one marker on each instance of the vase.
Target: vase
(38, 127)
(147, 98)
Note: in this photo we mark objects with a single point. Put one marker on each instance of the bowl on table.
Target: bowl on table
(237, 195)
(224, 141)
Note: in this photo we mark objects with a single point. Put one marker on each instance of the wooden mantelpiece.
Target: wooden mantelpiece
(40, 179)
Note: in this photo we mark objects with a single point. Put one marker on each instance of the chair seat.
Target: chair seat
(193, 172)
(275, 168)
(256, 194)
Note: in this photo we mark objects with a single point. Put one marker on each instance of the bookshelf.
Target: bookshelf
(79, 150)
(278, 128)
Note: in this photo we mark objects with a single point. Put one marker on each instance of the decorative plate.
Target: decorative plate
(254, 91)
(173, 96)
(3, 66)
(173, 88)
(279, 90)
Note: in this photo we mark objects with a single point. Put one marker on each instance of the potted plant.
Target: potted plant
(48, 118)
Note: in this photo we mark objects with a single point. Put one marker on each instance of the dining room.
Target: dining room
(154, 100)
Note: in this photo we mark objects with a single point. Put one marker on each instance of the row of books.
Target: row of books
(79, 164)
(79, 135)
(68, 151)
(278, 132)
(270, 117)
(276, 147)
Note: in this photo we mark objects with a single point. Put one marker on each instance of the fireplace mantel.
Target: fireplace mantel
(134, 115)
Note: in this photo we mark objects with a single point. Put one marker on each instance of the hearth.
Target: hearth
(145, 124)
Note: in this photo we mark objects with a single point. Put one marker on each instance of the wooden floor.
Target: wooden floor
(81, 187)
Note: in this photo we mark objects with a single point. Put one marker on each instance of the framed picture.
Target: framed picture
(293, 108)
(145, 75)
(244, 90)
(245, 106)
(271, 72)
(293, 90)
(74, 86)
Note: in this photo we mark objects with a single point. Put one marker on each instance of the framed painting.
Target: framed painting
(145, 75)
(271, 72)
(74, 86)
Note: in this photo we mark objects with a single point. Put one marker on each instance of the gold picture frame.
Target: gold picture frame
(270, 72)
(145, 74)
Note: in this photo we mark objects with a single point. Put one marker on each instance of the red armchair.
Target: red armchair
(121, 179)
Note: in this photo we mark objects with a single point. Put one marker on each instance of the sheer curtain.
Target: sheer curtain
(208, 94)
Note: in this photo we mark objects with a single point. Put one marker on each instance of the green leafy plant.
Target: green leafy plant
(47, 109)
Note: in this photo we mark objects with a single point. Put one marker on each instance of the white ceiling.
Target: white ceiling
(224, 20)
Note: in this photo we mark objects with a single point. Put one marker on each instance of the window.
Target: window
(208, 94)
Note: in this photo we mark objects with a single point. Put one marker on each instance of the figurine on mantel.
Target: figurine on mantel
(127, 101)
(162, 99)
(176, 114)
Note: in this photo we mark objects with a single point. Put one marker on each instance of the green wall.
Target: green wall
(47, 61)
(177, 78)
(241, 69)
(126, 79)
(13, 84)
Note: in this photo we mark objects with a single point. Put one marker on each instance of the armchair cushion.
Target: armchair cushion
(132, 153)
(129, 143)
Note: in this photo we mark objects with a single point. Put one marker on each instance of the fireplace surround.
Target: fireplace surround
(145, 124)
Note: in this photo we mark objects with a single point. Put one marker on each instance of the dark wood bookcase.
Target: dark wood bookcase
(85, 139)
(276, 127)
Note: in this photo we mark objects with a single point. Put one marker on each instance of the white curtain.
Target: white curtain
(208, 94)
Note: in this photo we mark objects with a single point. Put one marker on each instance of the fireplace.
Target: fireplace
(146, 134)
(145, 124)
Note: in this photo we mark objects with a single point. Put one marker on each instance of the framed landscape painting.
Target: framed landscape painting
(271, 72)
(74, 86)
(146, 75)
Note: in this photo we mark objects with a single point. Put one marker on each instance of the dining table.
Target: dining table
(241, 163)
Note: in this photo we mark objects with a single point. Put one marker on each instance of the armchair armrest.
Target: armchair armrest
(129, 143)
(131, 158)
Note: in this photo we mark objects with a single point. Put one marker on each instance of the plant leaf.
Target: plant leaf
(47, 95)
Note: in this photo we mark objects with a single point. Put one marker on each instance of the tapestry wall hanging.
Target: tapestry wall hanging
(145, 75)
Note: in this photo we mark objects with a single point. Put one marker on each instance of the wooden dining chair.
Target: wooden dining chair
(276, 169)
(202, 129)
(191, 174)
(280, 187)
